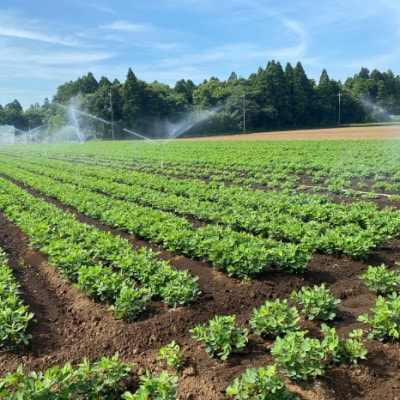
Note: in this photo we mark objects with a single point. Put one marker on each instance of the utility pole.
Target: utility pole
(244, 112)
(112, 117)
(339, 96)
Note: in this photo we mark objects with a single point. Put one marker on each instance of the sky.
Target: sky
(46, 43)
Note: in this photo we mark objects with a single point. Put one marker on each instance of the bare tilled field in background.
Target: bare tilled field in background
(344, 133)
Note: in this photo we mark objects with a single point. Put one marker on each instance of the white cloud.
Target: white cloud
(126, 26)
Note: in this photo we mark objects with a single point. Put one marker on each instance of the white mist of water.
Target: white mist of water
(73, 113)
(139, 135)
(176, 129)
(34, 135)
(378, 111)
(75, 123)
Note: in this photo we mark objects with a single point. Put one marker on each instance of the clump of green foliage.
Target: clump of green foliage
(14, 314)
(380, 280)
(274, 318)
(303, 358)
(172, 355)
(104, 379)
(318, 303)
(385, 318)
(221, 337)
(260, 384)
(162, 387)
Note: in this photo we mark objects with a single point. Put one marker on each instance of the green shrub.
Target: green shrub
(274, 318)
(14, 314)
(301, 358)
(161, 387)
(385, 318)
(381, 281)
(340, 351)
(130, 302)
(105, 379)
(171, 354)
(318, 302)
(222, 337)
(260, 384)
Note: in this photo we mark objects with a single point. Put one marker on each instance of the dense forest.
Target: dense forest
(272, 98)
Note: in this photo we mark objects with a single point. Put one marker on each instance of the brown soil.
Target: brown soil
(69, 326)
(343, 133)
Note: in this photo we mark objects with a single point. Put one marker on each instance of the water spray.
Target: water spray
(139, 135)
(176, 129)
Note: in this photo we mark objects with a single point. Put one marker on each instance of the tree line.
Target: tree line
(272, 98)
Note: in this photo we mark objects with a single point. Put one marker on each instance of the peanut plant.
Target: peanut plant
(260, 384)
(318, 303)
(222, 337)
(274, 318)
(380, 280)
(14, 314)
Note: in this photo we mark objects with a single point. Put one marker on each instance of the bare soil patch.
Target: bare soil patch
(342, 133)
(69, 326)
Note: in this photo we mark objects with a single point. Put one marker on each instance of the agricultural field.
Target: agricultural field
(188, 265)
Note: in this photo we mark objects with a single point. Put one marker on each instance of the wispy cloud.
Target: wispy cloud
(126, 26)
(31, 35)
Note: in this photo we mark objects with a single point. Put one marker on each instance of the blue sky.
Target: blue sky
(45, 43)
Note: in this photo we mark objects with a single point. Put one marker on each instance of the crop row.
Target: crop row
(104, 266)
(251, 162)
(239, 253)
(310, 221)
(14, 314)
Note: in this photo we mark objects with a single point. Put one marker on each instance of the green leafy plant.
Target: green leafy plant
(380, 280)
(274, 318)
(130, 302)
(172, 355)
(385, 318)
(301, 358)
(352, 349)
(318, 302)
(180, 289)
(105, 378)
(222, 337)
(348, 350)
(14, 314)
(162, 387)
(260, 384)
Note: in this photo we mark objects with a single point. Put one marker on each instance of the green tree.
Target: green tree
(87, 84)
(13, 115)
(132, 93)
(303, 94)
(327, 112)
(185, 87)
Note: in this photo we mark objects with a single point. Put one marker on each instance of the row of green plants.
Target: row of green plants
(313, 222)
(15, 316)
(239, 253)
(108, 378)
(103, 265)
(269, 163)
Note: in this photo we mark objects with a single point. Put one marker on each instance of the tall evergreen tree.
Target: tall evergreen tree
(132, 93)
(303, 95)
